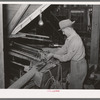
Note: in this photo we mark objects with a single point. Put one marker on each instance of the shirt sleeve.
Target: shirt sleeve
(63, 49)
(68, 56)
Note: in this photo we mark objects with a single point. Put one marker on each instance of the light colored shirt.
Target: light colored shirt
(73, 49)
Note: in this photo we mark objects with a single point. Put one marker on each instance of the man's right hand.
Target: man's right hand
(49, 56)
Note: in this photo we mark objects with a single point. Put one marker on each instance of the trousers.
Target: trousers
(77, 74)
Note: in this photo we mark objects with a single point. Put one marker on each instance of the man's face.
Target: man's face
(66, 32)
(63, 32)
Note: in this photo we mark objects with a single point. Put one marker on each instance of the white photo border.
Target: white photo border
(46, 93)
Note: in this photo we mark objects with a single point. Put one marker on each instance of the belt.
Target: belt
(78, 60)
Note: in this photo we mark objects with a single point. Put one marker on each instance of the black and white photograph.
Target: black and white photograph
(49, 46)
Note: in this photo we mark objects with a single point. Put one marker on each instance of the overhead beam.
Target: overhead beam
(17, 17)
(30, 18)
(2, 83)
(95, 35)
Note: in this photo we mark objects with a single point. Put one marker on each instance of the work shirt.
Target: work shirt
(73, 49)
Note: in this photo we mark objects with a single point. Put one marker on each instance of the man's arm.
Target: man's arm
(63, 49)
(68, 56)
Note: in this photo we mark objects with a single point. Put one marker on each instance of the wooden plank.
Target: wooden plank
(19, 56)
(24, 79)
(21, 34)
(11, 7)
(35, 73)
(30, 18)
(25, 54)
(17, 17)
(29, 11)
(2, 84)
(9, 10)
(95, 35)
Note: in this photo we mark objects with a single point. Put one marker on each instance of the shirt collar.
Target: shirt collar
(71, 36)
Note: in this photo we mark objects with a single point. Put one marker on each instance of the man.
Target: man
(73, 50)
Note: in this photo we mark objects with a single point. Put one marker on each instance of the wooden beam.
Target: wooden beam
(17, 17)
(2, 84)
(36, 73)
(95, 35)
(30, 18)
(24, 79)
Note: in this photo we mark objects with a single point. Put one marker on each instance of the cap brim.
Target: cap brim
(73, 22)
(59, 29)
(66, 26)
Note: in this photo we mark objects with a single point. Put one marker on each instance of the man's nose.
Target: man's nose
(63, 32)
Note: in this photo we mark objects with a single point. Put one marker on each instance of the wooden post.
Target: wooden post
(17, 17)
(94, 53)
(85, 19)
(1, 50)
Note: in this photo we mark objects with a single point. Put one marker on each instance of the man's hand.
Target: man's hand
(43, 57)
(59, 57)
(50, 55)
